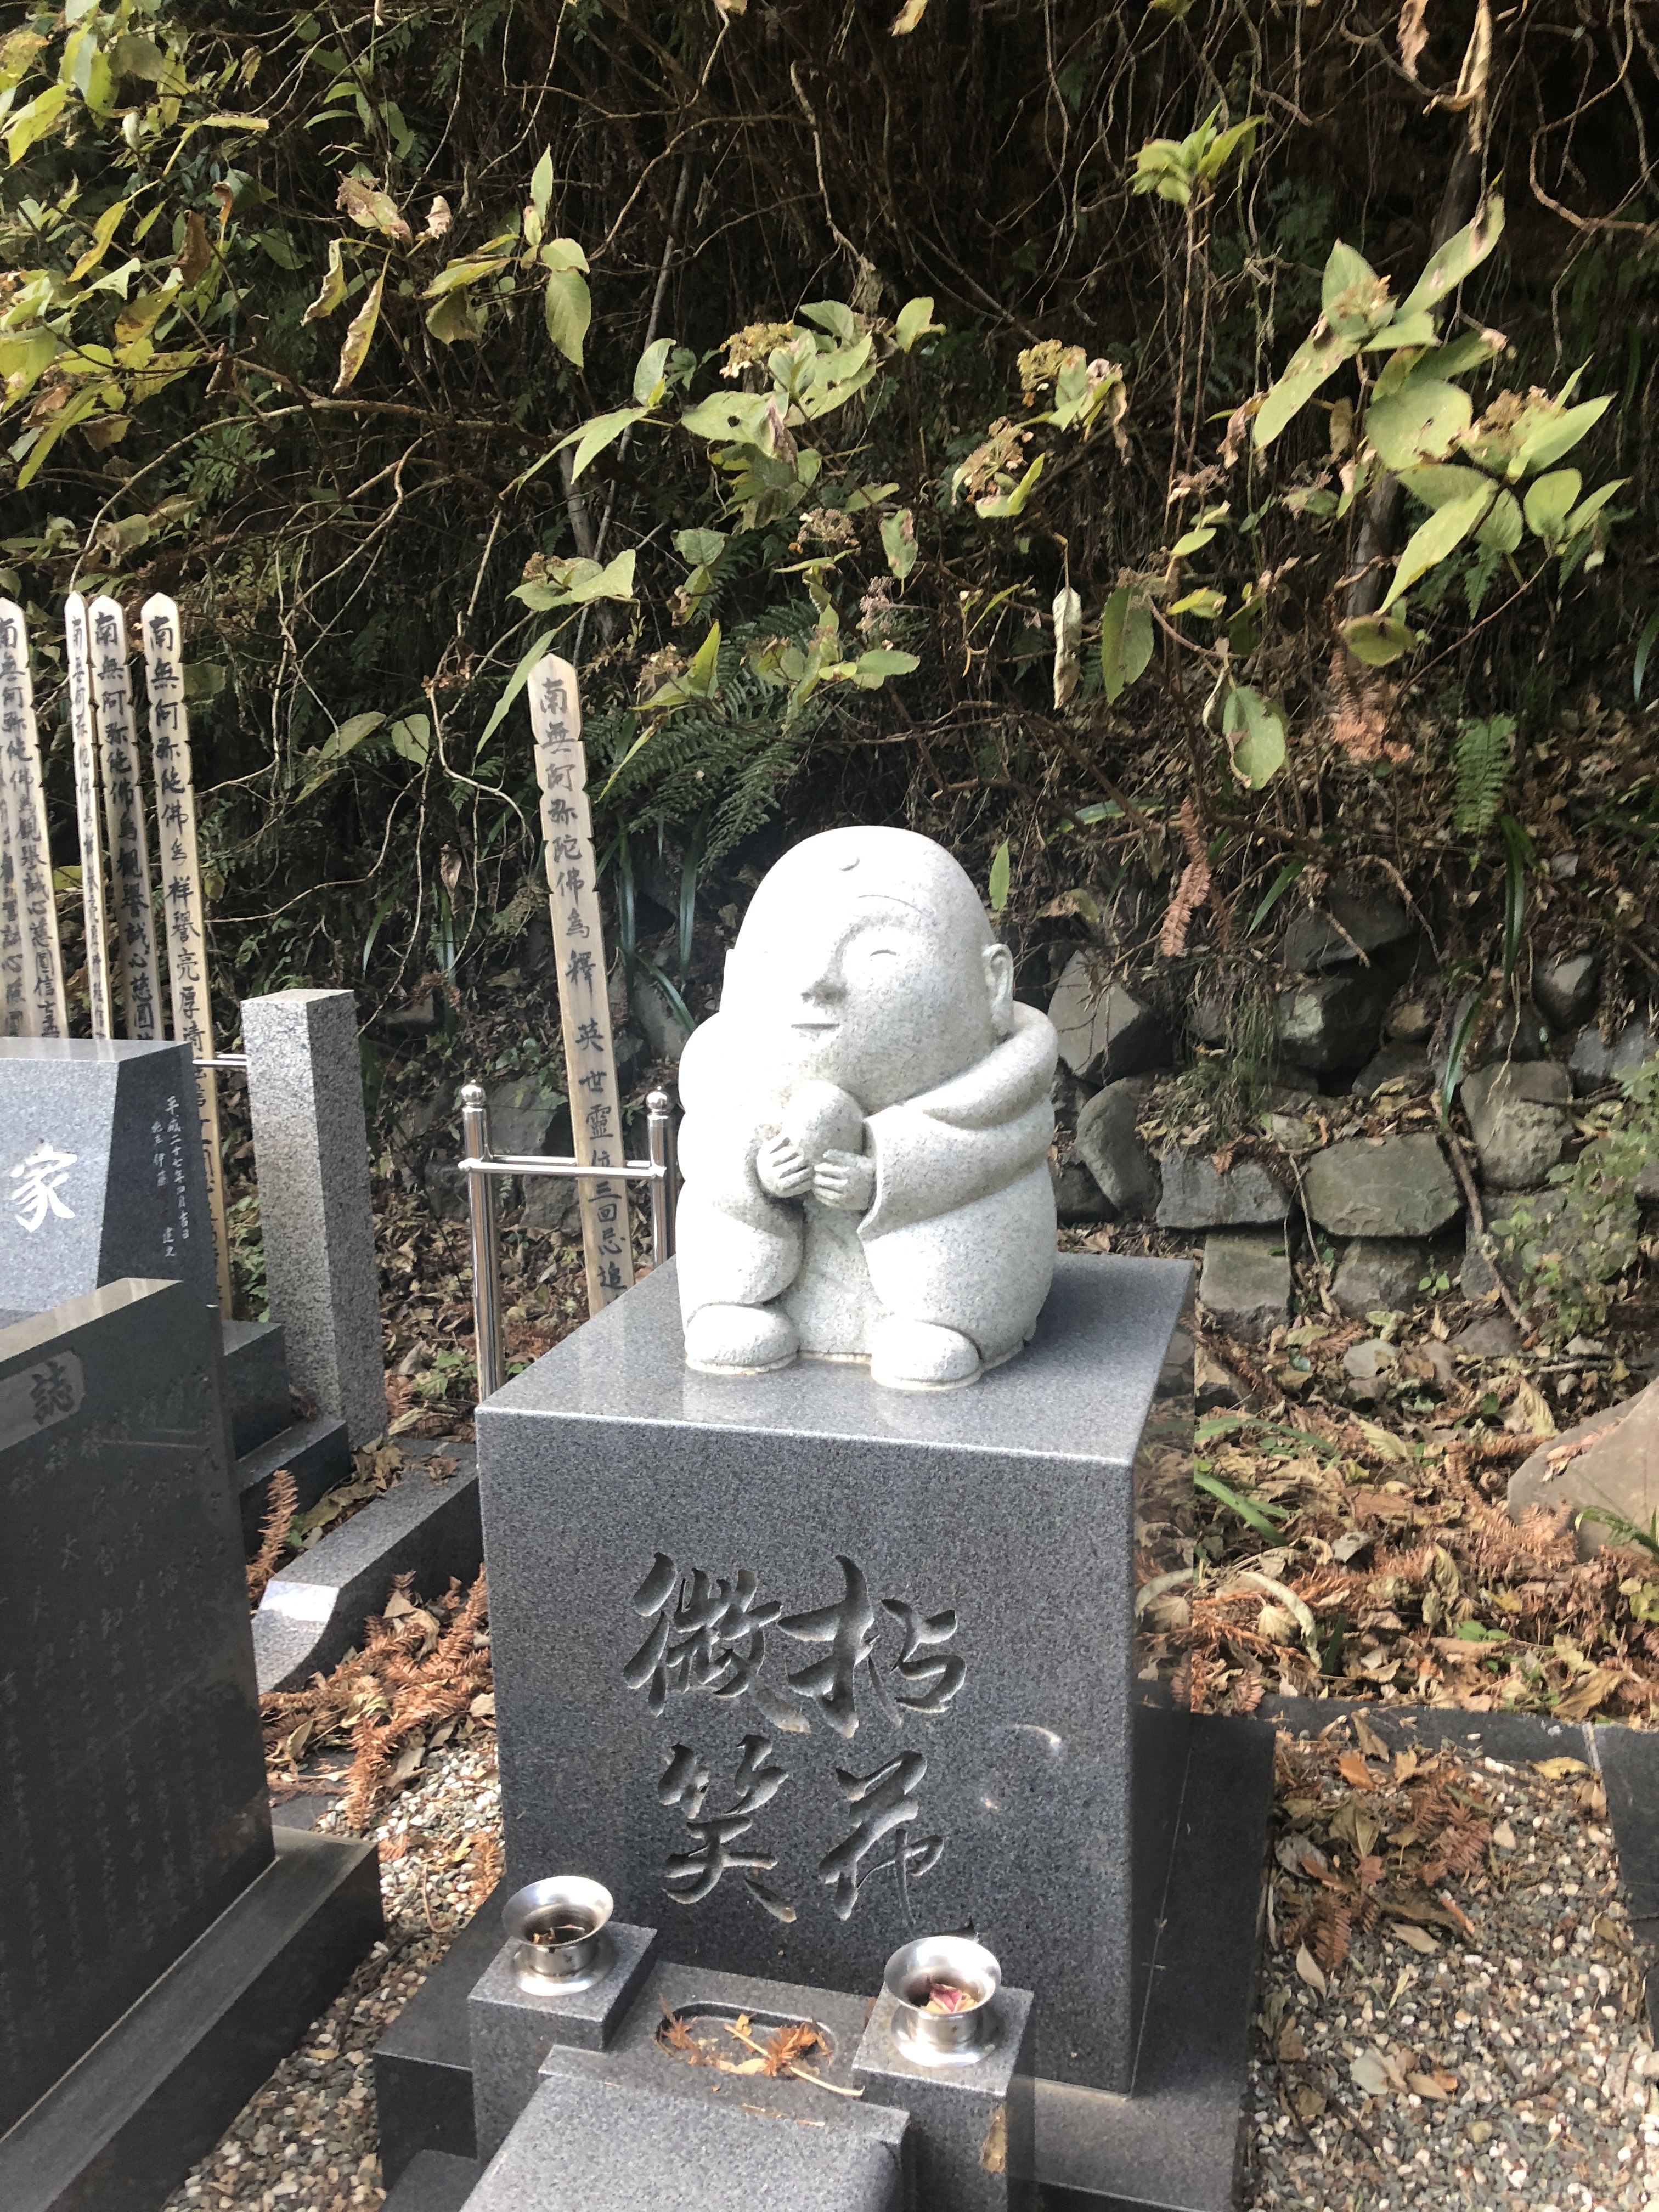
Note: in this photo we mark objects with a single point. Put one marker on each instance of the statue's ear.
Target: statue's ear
(999, 987)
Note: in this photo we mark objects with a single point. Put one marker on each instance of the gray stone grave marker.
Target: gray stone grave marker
(101, 1170)
(311, 1156)
(158, 1949)
(799, 1669)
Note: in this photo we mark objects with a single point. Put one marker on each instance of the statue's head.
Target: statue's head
(865, 959)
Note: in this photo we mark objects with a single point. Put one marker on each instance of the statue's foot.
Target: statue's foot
(920, 1355)
(739, 1340)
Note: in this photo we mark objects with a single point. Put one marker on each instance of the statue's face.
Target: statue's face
(870, 992)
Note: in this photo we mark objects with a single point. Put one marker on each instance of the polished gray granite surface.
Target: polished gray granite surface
(798, 1667)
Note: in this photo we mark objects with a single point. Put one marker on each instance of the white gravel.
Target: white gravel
(1555, 2106)
(307, 2141)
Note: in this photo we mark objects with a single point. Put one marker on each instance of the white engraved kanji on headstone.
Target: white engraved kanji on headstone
(35, 1185)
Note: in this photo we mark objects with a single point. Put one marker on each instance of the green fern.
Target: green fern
(1481, 759)
(732, 757)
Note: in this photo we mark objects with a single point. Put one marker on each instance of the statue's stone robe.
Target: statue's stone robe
(961, 1231)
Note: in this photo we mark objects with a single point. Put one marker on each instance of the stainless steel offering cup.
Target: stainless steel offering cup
(942, 1987)
(557, 1930)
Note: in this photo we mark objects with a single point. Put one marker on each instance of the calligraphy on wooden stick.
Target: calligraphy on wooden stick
(579, 950)
(41, 971)
(123, 814)
(78, 638)
(182, 902)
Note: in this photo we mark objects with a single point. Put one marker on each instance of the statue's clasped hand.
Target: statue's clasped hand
(846, 1181)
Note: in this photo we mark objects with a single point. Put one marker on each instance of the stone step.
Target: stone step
(313, 1612)
(256, 1382)
(317, 1454)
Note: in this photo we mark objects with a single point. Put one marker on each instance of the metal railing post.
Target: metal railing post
(659, 1133)
(490, 1349)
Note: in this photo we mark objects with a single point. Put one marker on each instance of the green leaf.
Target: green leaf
(1001, 871)
(1549, 502)
(1318, 357)
(1351, 292)
(702, 677)
(1639, 667)
(358, 337)
(334, 286)
(454, 319)
(1194, 541)
(1519, 855)
(1008, 504)
(898, 542)
(1126, 641)
(1501, 531)
(471, 269)
(1254, 729)
(595, 435)
(1377, 639)
(614, 581)
(1552, 438)
(411, 736)
(1240, 140)
(1254, 1516)
(739, 414)
(32, 122)
(1587, 510)
(839, 320)
(884, 660)
(915, 320)
(515, 683)
(1434, 539)
(569, 309)
(1437, 484)
(541, 184)
(1404, 330)
(1420, 423)
(1207, 603)
(1447, 269)
(1281, 883)
(700, 549)
(647, 373)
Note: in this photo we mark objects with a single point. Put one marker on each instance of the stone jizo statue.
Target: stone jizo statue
(866, 1131)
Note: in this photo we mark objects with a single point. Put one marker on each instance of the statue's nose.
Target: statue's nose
(825, 980)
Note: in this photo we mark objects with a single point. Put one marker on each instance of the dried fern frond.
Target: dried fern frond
(283, 1504)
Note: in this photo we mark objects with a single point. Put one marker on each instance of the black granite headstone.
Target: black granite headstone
(133, 1808)
(101, 1170)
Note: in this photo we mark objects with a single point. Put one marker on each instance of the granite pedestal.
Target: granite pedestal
(799, 1668)
(636, 2125)
(316, 1222)
(135, 1829)
(101, 1170)
(1170, 2145)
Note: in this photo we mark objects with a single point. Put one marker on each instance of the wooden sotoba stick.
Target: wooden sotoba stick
(578, 949)
(11, 940)
(45, 1013)
(124, 816)
(94, 906)
(182, 902)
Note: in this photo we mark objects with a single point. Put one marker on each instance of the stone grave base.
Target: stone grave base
(123, 2127)
(1172, 2145)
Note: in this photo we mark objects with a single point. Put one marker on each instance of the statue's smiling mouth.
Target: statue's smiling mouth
(816, 1025)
